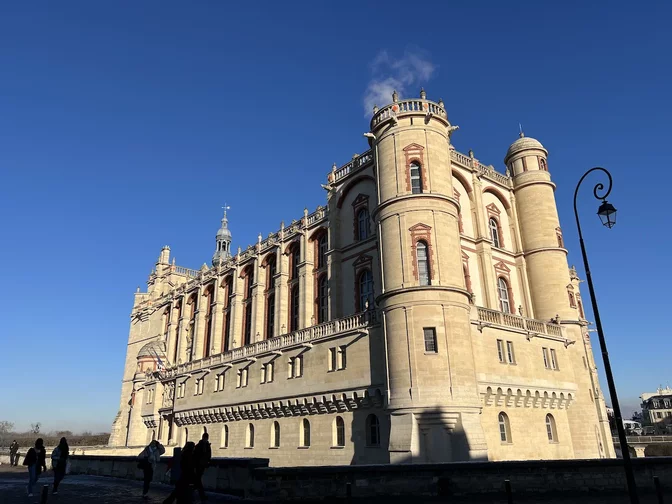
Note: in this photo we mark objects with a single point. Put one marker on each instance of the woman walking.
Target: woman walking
(183, 486)
(36, 462)
(59, 460)
(148, 460)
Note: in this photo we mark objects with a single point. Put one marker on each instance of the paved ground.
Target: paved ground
(100, 490)
(84, 490)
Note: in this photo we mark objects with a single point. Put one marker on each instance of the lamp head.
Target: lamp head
(607, 214)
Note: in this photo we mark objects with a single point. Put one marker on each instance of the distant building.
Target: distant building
(657, 408)
(427, 313)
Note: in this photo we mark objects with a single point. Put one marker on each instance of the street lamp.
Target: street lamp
(607, 214)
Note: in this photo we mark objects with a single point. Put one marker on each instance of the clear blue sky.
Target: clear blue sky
(125, 126)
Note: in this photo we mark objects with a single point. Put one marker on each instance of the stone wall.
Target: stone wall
(464, 479)
(227, 475)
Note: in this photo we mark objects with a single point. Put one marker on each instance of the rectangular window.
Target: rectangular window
(267, 372)
(332, 359)
(430, 340)
(509, 352)
(244, 378)
(295, 367)
(219, 382)
(554, 360)
(659, 414)
(341, 357)
(547, 363)
(500, 350)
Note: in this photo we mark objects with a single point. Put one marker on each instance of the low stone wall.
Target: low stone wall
(227, 475)
(459, 479)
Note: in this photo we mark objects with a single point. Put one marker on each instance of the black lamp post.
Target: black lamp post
(607, 214)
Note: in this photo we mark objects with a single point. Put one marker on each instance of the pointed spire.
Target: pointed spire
(223, 240)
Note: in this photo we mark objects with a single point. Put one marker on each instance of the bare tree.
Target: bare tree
(6, 427)
(35, 428)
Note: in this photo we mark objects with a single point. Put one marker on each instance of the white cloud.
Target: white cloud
(402, 74)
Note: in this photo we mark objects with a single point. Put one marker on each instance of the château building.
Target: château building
(426, 313)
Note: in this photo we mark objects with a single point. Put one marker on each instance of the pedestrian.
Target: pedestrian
(59, 461)
(187, 475)
(147, 462)
(202, 456)
(36, 462)
(14, 453)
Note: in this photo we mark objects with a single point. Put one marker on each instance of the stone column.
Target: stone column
(217, 316)
(199, 326)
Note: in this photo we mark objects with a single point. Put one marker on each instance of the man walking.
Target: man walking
(202, 454)
(14, 453)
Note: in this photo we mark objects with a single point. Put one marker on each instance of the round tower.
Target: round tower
(433, 395)
(543, 245)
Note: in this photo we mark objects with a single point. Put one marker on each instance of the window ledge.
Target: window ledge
(273, 447)
(431, 353)
(249, 447)
(506, 443)
(302, 447)
(373, 446)
(337, 447)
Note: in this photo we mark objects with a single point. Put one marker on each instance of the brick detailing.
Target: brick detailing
(415, 152)
(422, 232)
(503, 271)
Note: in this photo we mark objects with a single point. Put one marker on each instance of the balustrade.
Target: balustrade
(510, 320)
(353, 322)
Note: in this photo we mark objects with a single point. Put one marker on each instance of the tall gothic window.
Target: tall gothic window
(294, 257)
(270, 316)
(416, 178)
(305, 433)
(322, 299)
(365, 290)
(322, 245)
(294, 308)
(248, 324)
(208, 321)
(423, 263)
(363, 224)
(272, 270)
(276, 435)
(494, 232)
(247, 302)
(503, 291)
(339, 426)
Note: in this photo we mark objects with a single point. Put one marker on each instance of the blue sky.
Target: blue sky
(125, 126)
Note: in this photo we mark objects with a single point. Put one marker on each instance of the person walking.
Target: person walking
(187, 476)
(148, 460)
(59, 460)
(36, 462)
(202, 456)
(14, 453)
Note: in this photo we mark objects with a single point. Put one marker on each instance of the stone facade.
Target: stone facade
(427, 313)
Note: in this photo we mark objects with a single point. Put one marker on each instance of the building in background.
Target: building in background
(427, 313)
(657, 409)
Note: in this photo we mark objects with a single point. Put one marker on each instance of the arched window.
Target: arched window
(322, 298)
(494, 232)
(322, 246)
(372, 431)
(504, 428)
(365, 290)
(305, 433)
(247, 333)
(271, 272)
(224, 441)
(424, 276)
(416, 177)
(249, 436)
(542, 164)
(363, 224)
(551, 431)
(339, 432)
(294, 308)
(503, 292)
(294, 258)
(270, 315)
(275, 435)
(249, 282)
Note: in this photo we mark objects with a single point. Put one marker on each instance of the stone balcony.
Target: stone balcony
(358, 323)
(532, 328)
